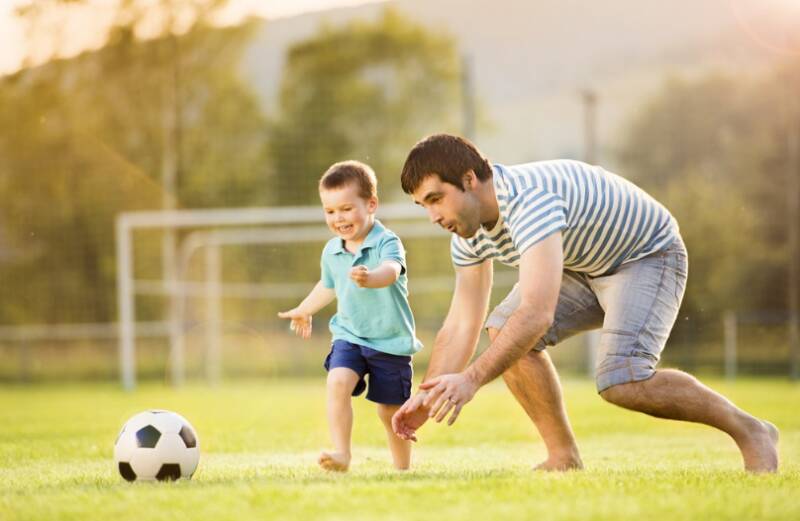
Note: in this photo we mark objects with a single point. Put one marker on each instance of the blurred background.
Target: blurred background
(159, 161)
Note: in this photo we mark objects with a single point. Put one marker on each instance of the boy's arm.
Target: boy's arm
(319, 297)
(300, 316)
(384, 275)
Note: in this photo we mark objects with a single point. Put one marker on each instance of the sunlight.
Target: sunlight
(773, 25)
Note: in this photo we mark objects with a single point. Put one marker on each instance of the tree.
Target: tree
(713, 150)
(83, 139)
(365, 90)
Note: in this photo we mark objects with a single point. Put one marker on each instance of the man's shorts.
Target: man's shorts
(389, 375)
(636, 306)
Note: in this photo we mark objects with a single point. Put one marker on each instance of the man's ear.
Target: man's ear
(469, 180)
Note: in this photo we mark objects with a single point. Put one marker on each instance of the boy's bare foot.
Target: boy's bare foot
(760, 449)
(334, 461)
(560, 463)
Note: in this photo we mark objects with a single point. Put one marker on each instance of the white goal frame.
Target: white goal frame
(214, 228)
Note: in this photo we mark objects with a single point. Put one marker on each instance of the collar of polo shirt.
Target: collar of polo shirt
(369, 241)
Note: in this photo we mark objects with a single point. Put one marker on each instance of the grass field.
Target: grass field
(259, 442)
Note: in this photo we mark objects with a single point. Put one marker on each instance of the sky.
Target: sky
(86, 29)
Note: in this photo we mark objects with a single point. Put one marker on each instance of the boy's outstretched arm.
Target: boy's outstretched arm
(384, 275)
(300, 316)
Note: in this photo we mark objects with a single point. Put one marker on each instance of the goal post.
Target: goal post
(212, 229)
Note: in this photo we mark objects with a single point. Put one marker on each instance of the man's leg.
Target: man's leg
(677, 395)
(534, 383)
(641, 303)
(533, 380)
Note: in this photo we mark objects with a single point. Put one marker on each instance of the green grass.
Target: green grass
(259, 442)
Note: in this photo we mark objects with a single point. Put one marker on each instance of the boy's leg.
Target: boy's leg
(401, 449)
(389, 387)
(641, 301)
(340, 385)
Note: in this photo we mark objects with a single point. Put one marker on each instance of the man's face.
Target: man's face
(454, 210)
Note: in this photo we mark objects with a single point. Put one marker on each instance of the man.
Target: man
(592, 250)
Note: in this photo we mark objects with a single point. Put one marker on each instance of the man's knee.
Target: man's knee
(616, 394)
(626, 393)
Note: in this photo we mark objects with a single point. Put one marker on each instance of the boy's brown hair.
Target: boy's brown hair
(448, 156)
(355, 172)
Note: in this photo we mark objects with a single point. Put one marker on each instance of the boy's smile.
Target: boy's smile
(347, 214)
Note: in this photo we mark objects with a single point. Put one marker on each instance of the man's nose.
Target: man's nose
(434, 216)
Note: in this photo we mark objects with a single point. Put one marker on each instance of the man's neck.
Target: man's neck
(490, 210)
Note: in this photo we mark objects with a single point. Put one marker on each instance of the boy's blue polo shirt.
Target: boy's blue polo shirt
(379, 318)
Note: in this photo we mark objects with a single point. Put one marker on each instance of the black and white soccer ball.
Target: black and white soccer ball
(158, 445)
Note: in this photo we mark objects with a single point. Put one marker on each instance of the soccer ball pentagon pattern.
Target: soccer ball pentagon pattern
(158, 445)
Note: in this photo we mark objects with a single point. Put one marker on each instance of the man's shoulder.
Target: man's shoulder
(546, 164)
(545, 168)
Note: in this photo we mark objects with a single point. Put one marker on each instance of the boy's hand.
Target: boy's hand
(360, 275)
(301, 321)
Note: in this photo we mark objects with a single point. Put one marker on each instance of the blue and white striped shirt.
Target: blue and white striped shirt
(606, 220)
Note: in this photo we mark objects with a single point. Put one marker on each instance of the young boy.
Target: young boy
(364, 268)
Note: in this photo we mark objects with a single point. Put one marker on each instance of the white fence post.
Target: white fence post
(213, 313)
(125, 304)
(592, 346)
(730, 340)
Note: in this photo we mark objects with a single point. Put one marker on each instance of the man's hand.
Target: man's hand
(301, 321)
(410, 417)
(448, 392)
(360, 275)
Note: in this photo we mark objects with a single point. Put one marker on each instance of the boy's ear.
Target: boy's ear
(372, 204)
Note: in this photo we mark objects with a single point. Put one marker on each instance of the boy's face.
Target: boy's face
(347, 214)
(457, 211)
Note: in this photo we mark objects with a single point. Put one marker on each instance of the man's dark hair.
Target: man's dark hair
(447, 156)
(347, 172)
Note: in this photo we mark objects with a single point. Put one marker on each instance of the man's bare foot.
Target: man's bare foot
(334, 461)
(560, 464)
(760, 448)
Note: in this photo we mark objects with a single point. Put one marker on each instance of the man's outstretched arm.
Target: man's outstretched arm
(540, 275)
(455, 342)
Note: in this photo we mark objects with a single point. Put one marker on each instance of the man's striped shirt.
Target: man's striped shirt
(605, 220)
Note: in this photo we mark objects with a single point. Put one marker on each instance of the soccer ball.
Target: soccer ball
(158, 445)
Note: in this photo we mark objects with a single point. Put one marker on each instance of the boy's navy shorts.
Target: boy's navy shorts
(389, 375)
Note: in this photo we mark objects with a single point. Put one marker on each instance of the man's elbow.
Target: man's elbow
(543, 321)
(539, 319)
